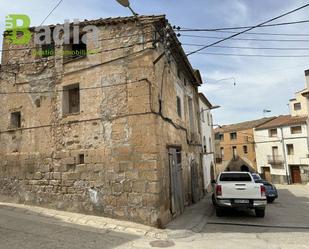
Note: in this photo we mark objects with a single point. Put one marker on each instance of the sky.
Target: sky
(261, 83)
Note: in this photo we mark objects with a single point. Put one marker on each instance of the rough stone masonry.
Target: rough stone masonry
(92, 133)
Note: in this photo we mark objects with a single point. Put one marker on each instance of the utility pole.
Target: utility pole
(284, 156)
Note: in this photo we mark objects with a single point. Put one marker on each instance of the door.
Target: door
(195, 194)
(295, 174)
(267, 174)
(234, 148)
(176, 193)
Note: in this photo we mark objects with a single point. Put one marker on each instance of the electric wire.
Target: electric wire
(57, 5)
(248, 29)
(241, 47)
(243, 27)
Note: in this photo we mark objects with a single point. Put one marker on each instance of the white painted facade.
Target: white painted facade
(206, 124)
(265, 144)
(299, 107)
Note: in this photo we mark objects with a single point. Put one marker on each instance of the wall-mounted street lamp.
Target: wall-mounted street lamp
(126, 4)
(230, 78)
(211, 108)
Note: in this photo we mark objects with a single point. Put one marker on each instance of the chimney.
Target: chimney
(307, 78)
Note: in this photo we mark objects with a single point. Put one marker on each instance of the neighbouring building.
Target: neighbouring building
(282, 144)
(115, 132)
(282, 149)
(207, 141)
(235, 146)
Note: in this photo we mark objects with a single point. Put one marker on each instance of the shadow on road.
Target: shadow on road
(26, 230)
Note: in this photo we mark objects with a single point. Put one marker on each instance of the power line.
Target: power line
(242, 27)
(262, 33)
(240, 47)
(248, 29)
(51, 12)
(255, 55)
(245, 39)
(78, 70)
(66, 90)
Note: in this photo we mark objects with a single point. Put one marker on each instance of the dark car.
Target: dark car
(271, 191)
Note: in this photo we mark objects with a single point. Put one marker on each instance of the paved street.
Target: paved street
(283, 227)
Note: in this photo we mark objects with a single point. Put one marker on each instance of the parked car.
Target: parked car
(271, 190)
(239, 190)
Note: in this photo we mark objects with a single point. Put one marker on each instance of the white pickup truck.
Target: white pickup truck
(238, 190)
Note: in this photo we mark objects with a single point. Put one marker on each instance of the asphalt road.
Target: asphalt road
(280, 229)
(24, 231)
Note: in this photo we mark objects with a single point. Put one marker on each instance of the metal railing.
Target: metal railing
(275, 159)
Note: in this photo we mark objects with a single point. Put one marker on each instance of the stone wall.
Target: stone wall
(110, 158)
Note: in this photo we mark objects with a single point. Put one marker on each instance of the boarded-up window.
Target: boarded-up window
(71, 99)
(15, 120)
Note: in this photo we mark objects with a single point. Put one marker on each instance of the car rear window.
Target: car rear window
(235, 177)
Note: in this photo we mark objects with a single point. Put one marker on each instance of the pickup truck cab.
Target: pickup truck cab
(239, 190)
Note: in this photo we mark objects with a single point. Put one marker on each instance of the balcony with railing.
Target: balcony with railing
(275, 159)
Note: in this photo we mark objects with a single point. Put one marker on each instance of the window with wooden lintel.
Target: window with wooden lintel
(71, 99)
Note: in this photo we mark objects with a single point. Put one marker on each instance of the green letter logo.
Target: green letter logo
(17, 27)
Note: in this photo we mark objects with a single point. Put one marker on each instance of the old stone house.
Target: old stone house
(235, 146)
(112, 133)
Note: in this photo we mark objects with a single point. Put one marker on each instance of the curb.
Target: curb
(108, 224)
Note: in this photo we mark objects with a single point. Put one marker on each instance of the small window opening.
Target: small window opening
(15, 120)
(81, 159)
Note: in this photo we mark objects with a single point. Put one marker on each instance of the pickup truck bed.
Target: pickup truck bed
(239, 190)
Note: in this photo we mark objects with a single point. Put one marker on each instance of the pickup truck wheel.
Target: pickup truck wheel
(219, 212)
(260, 213)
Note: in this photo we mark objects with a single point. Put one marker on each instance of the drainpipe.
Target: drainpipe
(285, 159)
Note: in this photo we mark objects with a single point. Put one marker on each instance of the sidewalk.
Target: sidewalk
(192, 221)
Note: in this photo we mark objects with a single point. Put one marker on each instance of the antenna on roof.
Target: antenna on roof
(266, 111)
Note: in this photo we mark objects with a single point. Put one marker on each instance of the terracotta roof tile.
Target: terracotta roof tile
(243, 125)
(283, 120)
